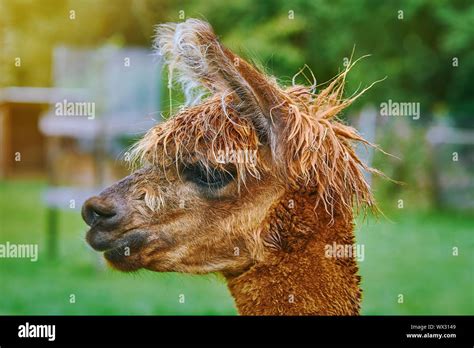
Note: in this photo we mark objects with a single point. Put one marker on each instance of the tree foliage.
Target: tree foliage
(424, 48)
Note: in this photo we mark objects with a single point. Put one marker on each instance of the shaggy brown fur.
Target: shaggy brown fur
(264, 227)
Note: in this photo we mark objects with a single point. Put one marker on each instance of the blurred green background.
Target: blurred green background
(424, 48)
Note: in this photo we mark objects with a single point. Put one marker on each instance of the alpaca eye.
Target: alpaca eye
(207, 178)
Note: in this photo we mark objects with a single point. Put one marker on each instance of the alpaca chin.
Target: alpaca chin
(128, 266)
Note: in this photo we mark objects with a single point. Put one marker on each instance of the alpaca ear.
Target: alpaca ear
(194, 53)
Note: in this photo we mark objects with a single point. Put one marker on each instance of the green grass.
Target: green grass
(412, 255)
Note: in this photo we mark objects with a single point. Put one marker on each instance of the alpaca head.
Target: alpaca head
(207, 178)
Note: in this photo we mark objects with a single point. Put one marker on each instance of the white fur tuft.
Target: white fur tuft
(188, 48)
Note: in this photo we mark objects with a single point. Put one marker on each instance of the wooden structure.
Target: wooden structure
(22, 145)
(453, 166)
(122, 88)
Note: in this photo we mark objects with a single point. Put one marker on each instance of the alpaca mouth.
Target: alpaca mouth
(117, 249)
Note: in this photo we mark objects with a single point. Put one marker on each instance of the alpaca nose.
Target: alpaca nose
(96, 211)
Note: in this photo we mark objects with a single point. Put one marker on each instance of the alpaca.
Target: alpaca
(249, 180)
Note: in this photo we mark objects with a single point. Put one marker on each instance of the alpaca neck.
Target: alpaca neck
(299, 278)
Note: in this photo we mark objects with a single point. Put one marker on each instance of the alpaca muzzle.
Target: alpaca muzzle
(95, 211)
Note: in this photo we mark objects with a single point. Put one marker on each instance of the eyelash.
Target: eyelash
(210, 180)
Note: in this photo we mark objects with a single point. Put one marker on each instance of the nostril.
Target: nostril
(94, 210)
(101, 212)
